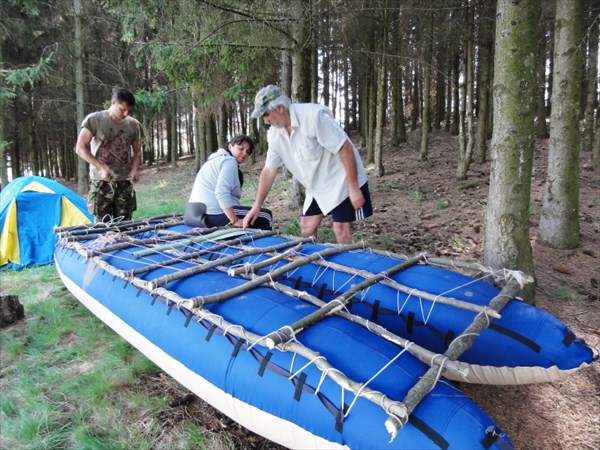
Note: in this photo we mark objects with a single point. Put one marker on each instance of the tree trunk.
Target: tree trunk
(286, 67)
(507, 243)
(371, 108)
(454, 129)
(34, 154)
(223, 124)
(426, 120)
(200, 147)
(82, 166)
(596, 148)
(486, 43)
(3, 143)
(416, 102)
(542, 128)
(301, 75)
(559, 220)
(462, 137)
(381, 95)
(211, 134)
(591, 103)
(469, 130)
(440, 85)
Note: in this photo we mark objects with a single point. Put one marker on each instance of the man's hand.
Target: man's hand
(105, 172)
(251, 217)
(356, 198)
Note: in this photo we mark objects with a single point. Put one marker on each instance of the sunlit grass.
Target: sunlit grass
(65, 376)
(564, 294)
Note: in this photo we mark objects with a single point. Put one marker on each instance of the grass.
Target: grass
(417, 196)
(167, 195)
(65, 375)
(442, 204)
(468, 185)
(455, 241)
(565, 294)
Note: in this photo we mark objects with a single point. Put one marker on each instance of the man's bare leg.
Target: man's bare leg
(309, 225)
(343, 232)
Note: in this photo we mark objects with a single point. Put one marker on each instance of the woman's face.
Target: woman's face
(240, 151)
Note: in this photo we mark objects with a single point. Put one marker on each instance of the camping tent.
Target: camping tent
(30, 208)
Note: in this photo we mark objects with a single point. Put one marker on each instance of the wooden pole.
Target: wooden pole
(462, 343)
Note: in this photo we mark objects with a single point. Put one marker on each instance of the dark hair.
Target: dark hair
(123, 95)
(242, 139)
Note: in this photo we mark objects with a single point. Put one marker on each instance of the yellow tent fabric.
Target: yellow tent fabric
(9, 239)
(72, 215)
(37, 187)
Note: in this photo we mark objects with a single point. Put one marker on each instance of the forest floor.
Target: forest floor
(421, 207)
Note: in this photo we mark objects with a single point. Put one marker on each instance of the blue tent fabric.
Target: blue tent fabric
(39, 206)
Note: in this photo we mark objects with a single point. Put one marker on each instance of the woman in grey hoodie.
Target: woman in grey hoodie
(218, 187)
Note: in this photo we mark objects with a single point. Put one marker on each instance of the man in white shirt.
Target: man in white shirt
(306, 139)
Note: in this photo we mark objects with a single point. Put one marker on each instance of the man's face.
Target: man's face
(277, 118)
(119, 110)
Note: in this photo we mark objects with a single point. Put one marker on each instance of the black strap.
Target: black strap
(298, 282)
(322, 291)
(188, 317)
(237, 347)
(263, 364)
(570, 337)
(299, 385)
(410, 322)
(339, 421)
(210, 332)
(375, 311)
(435, 437)
(449, 338)
(493, 436)
(516, 336)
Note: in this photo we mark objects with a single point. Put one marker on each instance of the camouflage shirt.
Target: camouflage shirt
(112, 143)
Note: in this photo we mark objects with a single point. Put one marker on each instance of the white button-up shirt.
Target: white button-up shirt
(311, 154)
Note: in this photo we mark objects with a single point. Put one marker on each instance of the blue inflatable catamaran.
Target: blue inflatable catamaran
(312, 345)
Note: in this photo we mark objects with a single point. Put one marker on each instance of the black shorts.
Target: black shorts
(345, 212)
(263, 222)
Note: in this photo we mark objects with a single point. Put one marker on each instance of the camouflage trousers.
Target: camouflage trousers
(108, 200)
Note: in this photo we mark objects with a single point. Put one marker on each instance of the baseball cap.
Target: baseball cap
(262, 99)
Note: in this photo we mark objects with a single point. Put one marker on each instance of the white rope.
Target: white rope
(342, 304)
(293, 375)
(439, 372)
(324, 374)
(364, 385)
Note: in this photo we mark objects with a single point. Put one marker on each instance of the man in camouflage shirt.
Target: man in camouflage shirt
(110, 141)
